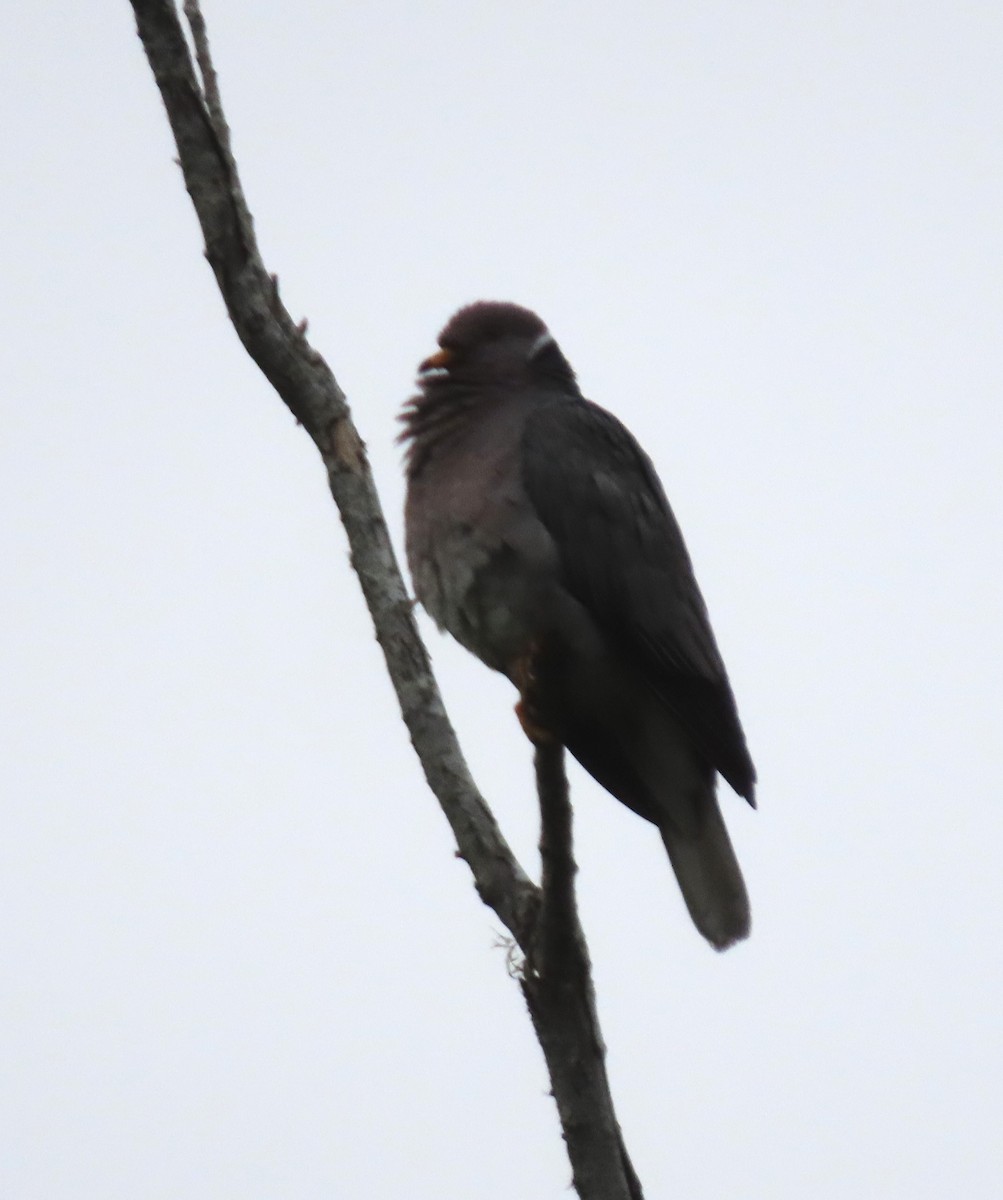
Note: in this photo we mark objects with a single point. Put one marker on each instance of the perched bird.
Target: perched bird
(539, 536)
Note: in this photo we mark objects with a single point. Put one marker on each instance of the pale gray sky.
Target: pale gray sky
(237, 956)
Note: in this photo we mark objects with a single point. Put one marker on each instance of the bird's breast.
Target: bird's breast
(483, 565)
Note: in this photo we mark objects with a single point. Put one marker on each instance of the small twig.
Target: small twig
(561, 998)
(553, 949)
(210, 81)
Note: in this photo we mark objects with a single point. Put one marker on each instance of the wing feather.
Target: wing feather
(623, 556)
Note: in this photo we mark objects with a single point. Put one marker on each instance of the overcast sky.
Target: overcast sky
(237, 955)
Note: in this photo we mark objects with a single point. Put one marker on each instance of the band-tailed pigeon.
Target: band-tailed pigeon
(539, 536)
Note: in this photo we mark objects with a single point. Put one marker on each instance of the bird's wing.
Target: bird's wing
(623, 557)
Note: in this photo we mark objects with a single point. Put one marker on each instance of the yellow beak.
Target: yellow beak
(441, 358)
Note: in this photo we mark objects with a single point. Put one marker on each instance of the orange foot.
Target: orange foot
(525, 679)
(538, 734)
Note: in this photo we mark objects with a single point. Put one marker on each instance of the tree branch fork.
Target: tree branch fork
(556, 975)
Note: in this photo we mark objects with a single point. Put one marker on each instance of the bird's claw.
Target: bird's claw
(527, 710)
(537, 733)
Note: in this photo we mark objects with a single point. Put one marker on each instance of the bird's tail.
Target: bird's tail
(710, 877)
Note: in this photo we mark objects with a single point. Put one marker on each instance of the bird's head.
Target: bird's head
(492, 343)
